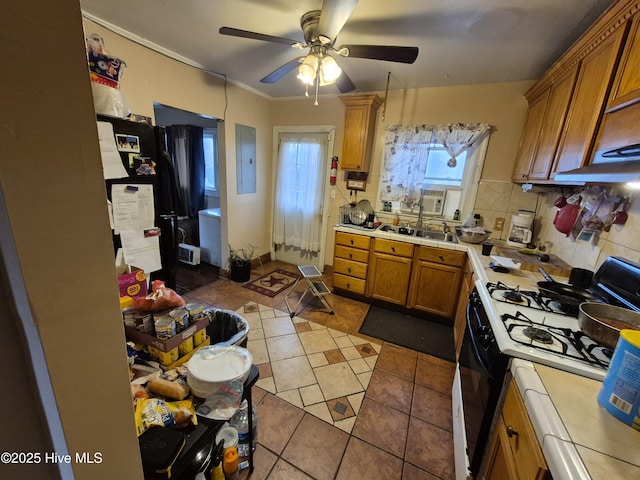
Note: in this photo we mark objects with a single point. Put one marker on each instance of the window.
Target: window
(210, 144)
(417, 160)
(438, 172)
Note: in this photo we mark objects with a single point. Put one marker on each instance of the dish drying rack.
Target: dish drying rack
(344, 214)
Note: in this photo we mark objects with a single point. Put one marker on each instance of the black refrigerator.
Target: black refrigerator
(150, 148)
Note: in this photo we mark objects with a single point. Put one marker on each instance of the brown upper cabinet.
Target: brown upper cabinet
(543, 127)
(626, 89)
(359, 128)
(567, 104)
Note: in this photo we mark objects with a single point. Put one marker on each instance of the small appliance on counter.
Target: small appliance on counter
(521, 233)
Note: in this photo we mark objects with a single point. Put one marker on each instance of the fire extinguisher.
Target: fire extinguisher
(334, 170)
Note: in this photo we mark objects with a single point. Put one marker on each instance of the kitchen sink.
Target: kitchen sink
(419, 232)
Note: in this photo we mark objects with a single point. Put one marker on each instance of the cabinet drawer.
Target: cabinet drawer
(523, 442)
(355, 285)
(393, 248)
(351, 240)
(351, 253)
(348, 267)
(441, 255)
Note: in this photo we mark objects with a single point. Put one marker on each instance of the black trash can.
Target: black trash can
(227, 328)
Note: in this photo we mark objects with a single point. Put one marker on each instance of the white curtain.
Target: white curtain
(458, 137)
(406, 150)
(298, 197)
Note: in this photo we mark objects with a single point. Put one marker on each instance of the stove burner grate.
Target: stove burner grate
(513, 296)
(585, 348)
(538, 335)
(529, 298)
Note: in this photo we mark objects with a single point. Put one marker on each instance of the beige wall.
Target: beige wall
(502, 105)
(151, 77)
(51, 175)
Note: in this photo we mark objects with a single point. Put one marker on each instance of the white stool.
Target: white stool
(316, 287)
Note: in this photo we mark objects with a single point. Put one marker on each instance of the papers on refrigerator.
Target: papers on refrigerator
(111, 162)
(133, 207)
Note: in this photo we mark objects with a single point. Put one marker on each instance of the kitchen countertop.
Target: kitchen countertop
(579, 439)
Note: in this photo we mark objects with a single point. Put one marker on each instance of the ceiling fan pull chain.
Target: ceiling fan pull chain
(315, 103)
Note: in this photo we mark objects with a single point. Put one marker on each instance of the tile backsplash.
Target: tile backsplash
(503, 199)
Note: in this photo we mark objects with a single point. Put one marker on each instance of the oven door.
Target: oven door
(478, 383)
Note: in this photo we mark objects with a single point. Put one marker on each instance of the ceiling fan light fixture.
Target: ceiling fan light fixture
(308, 68)
(330, 69)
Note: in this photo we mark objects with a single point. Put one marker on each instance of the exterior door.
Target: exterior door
(289, 250)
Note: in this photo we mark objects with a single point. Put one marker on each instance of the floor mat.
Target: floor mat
(272, 283)
(418, 334)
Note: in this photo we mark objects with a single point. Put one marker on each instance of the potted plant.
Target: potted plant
(240, 263)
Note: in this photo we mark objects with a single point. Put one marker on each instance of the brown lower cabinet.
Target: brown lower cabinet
(435, 281)
(390, 271)
(351, 262)
(417, 277)
(514, 453)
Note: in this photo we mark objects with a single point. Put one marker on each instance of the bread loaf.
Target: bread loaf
(173, 390)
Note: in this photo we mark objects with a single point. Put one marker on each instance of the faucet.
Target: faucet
(445, 227)
(419, 222)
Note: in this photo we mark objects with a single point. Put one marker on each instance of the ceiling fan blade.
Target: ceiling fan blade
(280, 72)
(383, 52)
(344, 83)
(335, 14)
(236, 32)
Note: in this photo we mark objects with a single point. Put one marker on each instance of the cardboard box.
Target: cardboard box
(137, 336)
(132, 281)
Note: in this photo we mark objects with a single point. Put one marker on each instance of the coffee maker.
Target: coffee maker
(520, 233)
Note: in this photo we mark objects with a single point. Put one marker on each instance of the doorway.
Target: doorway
(204, 229)
(302, 159)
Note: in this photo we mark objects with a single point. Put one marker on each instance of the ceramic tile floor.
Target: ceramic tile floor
(323, 371)
(314, 373)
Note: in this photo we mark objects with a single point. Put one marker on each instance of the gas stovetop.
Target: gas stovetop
(528, 325)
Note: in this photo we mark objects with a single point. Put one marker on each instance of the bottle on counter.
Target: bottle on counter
(396, 218)
(456, 215)
(217, 471)
(230, 464)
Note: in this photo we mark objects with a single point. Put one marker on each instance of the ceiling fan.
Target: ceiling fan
(320, 29)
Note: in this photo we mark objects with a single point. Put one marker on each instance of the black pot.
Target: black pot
(240, 272)
(580, 277)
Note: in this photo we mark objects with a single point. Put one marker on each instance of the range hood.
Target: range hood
(617, 158)
(613, 165)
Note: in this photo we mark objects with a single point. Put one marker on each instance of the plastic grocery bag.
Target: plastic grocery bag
(106, 73)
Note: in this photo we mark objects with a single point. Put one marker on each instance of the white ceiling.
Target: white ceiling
(460, 41)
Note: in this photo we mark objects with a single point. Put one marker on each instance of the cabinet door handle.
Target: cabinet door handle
(351, 242)
(350, 256)
(441, 257)
(348, 285)
(349, 269)
(393, 249)
(511, 432)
